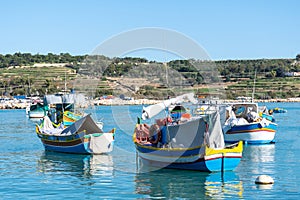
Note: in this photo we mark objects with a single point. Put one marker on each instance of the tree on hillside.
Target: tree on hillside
(273, 73)
(298, 57)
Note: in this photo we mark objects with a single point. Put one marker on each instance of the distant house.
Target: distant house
(243, 99)
(292, 74)
(50, 64)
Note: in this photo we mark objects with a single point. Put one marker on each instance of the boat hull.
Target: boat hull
(78, 144)
(36, 114)
(198, 159)
(70, 148)
(253, 133)
(65, 144)
(37, 110)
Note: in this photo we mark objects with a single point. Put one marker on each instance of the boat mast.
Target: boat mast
(29, 87)
(65, 82)
(253, 92)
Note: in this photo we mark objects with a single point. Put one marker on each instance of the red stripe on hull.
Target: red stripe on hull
(54, 143)
(252, 131)
(223, 157)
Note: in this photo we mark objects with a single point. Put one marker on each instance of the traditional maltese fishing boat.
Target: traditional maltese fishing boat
(83, 137)
(182, 141)
(244, 122)
(62, 130)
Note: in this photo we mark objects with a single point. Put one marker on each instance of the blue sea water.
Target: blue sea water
(28, 172)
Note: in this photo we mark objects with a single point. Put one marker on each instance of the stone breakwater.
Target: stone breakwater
(13, 105)
(111, 102)
(297, 99)
(149, 102)
(289, 100)
(115, 102)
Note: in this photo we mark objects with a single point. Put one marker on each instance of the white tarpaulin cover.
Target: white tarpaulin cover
(153, 110)
(86, 124)
(101, 143)
(192, 133)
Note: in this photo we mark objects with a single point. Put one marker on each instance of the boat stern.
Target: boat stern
(226, 159)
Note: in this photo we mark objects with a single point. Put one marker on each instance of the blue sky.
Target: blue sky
(228, 29)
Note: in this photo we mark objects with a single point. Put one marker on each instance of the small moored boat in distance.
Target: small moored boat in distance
(183, 141)
(37, 110)
(70, 117)
(279, 110)
(66, 108)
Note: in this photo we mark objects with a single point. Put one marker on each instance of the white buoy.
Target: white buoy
(264, 179)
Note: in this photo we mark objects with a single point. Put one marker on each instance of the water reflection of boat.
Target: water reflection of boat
(86, 165)
(260, 153)
(171, 184)
(101, 164)
(219, 186)
(259, 159)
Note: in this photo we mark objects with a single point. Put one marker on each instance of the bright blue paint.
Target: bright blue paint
(253, 141)
(246, 127)
(229, 164)
(171, 153)
(74, 149)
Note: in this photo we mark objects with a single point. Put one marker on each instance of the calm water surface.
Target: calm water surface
(28, 172)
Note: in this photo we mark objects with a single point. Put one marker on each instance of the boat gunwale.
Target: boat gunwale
(226, 149)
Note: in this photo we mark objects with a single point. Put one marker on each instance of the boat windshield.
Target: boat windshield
(240, 110)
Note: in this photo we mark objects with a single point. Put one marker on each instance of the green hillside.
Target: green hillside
(266, 88)
(100, 75)
(35, 80)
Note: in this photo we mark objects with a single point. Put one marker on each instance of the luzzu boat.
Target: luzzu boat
(245, 123)
(252, 133)
(82, 137)
(190, 143)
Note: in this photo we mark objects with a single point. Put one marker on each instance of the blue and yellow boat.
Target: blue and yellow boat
(243, 122)
(70, 117)
(82, 137)
(192, 143)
